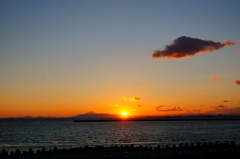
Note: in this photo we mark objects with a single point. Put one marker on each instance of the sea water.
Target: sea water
(23, 134)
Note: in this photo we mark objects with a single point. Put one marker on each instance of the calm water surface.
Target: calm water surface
(64, 133)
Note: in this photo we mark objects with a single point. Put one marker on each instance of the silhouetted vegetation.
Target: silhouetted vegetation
(206, 150)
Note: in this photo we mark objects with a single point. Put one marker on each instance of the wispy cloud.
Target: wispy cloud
(124, 98)
(133, 99)
(187, 47)
(218, 78)
(161, 108)
(220, 107)
(87, 96)
(137, 107)
(238, 50)
(229, 43)
(114, 105)
(237, 82)
(132, 110)
(225, 101)
(194, 111)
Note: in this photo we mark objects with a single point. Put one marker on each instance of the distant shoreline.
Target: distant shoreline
(169, 119)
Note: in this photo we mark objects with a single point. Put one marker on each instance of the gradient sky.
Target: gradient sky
(63, 58)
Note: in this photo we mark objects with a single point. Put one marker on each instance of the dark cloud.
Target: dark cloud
(237, 82)
(137, 98)
(159, 108)
(197, 111)
(219, 107)
(187, 46)
(225, 100)
(218, 78)
(222, 109)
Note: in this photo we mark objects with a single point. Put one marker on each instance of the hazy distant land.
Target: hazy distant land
(89, 117)
(104, 117)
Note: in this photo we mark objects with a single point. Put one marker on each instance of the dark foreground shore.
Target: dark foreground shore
(194, 151)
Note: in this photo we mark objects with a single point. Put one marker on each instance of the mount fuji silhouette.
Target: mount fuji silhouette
(94, 115)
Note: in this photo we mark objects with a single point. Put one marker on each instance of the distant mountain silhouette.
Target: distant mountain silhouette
(94, 115)
(91, 112)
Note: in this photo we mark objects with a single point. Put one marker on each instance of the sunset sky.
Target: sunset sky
(63, 58)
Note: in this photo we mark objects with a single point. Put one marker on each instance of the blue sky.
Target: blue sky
(73, 49)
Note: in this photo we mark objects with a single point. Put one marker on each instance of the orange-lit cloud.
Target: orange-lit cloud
(229, 43)
(114, 105)
(137, 107)
(88, 96)
(132, 110)
(238, 50)
(202, 105)
(124, 98)
(237, 82)
(161, 108)
(187, 47)
(218, 78)
(132, 99)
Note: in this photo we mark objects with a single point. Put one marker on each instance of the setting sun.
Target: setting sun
(124, 113)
